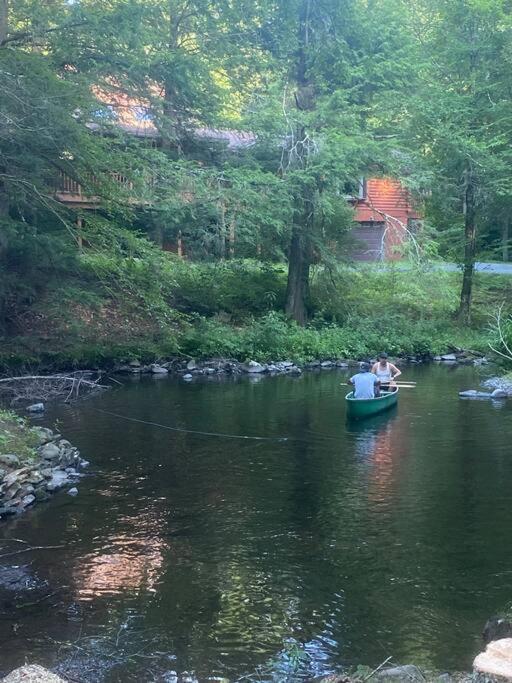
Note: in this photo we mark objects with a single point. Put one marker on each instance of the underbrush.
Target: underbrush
(272, 337)
(126, 299)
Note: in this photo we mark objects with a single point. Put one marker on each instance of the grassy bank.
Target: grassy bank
(151, 305)
(17, 438)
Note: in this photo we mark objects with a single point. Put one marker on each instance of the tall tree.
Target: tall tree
(331, 86)
(461, 123)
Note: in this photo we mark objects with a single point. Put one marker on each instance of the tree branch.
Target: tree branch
(21, 36)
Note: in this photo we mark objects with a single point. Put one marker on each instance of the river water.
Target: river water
(312, 545)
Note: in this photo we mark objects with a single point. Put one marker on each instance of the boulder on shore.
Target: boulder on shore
(32, 673)
(496, 661)
(253, 367)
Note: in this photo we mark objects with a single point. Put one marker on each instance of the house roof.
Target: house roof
(135, 116)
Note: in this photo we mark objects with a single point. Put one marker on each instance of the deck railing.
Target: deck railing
(69, 190)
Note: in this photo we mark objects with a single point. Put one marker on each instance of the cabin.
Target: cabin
(384, 214)
(385, 218)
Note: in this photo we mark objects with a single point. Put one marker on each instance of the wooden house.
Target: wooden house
(385, 218)
(383, 212)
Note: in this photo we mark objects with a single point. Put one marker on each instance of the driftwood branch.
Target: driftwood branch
(27, 378)
(497, 327)
(49, 387)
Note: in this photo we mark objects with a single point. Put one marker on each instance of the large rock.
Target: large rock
(49, 451)
(473, 393)
(253, 367)
(10, 460)
(15, 476)
(496, 661)
(449, 357)
(58, 480)
(191, 365)
(43, 434)
(158, 369)
(32, 673)
(499, 393)
(27, 500)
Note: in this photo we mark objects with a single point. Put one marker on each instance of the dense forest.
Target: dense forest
(207, 149)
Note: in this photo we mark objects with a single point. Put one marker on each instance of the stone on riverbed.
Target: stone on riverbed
(473, 393)
(496, 661)
(58, 480)
(27, 500)
(32, 673)
(73, 491)
(405, 673)
(36, 408)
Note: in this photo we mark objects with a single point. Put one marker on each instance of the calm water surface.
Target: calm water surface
(321, 545)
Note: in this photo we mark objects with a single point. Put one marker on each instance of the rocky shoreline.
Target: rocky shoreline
(407, 673)
(50, 463)
(188, 369)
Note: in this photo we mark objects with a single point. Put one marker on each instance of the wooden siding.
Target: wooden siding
(384, 215)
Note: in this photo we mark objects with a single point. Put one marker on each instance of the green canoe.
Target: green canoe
(358, 408)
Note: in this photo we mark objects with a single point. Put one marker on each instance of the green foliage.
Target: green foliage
(373, 291)
(15, 436)
(272, 337)
(236, 288)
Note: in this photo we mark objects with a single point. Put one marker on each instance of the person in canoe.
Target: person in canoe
(366, 384)
(386, 372)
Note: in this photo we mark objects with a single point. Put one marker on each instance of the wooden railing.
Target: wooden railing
(70, 191)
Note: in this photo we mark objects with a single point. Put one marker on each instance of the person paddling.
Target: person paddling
(365, 383)
(385, 371)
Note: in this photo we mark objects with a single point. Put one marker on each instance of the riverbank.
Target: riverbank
(35, 462)
(232, 310)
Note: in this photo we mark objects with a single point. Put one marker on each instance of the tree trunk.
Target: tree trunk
(469, 211)
(299, 254)
(297, 290)
(4, 20)
(505, 238)
(170, 137)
